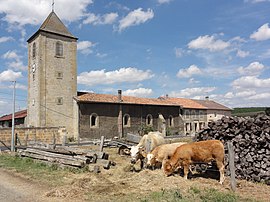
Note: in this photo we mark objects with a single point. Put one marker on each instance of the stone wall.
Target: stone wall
(48, 135)
(108, 119)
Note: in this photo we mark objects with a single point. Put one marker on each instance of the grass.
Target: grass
(52, 175)
(194, 194)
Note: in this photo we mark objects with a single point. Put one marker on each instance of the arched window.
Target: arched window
(126, 120)
(94, 121)
(171, 121)
(59, 48)
(34, 50)
(149, 120)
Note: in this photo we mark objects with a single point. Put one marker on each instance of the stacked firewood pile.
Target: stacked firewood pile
(251, 140)
(68, 157)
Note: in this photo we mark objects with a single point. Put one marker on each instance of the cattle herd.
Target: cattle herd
(171, 157)
(250, 138)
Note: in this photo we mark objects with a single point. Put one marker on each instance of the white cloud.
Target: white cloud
(85, 47)
(192, 81)
(100, 20)
(129, 75)
(18, 86)
(193, 92)
(263, 33)
(101, 55)
(208, 42)
(9, 75)
(164, 1)
(5, 39)
(17, 64)
(11, 55)
(253, 69)
(256, 1)
(250, 82)
(229, 95)
(189, 72)
(135, 17)
(242, 54)
(241, 94)
(178, 52)
(19, 13)
(139, 92)
(260, 97)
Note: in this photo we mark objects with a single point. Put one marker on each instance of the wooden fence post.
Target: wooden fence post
(231, 165)
(101, 143)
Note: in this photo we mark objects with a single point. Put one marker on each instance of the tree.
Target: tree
(267, 111)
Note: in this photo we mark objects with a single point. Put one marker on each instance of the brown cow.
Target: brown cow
(203, 151)
(162, 153)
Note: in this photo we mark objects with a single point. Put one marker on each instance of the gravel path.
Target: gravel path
(15, 188)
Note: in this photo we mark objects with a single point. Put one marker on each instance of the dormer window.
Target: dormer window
(34, 50)
(59, 49)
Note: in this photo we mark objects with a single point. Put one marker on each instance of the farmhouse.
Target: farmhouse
(53, 100)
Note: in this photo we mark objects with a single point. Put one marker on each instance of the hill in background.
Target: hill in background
(250, 111)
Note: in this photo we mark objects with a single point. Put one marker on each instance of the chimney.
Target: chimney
(120, 96)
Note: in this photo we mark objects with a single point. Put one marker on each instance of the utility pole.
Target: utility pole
(13, 119)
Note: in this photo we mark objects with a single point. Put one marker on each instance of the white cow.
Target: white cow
(138, 152)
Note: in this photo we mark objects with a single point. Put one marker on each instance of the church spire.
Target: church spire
(53, 25)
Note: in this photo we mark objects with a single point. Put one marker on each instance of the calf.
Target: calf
(203, 151)
(161, 153)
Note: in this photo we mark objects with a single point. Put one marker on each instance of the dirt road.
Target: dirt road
(15, 188)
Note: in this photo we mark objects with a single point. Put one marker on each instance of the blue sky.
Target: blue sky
(149, 48)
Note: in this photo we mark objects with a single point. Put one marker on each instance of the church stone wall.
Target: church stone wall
(46, 87)
(108, 119)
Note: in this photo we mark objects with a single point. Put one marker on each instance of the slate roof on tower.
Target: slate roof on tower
(54, 25)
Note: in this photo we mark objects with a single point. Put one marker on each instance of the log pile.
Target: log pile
(68, 157)
(251, 141)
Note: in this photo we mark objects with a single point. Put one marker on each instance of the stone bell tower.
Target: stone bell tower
(52, 75)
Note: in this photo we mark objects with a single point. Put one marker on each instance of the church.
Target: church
(53, 99)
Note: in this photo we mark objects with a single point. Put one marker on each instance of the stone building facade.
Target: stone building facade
(116, 115)
(52, 75)
(53, 100)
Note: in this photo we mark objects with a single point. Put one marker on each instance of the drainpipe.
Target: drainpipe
(120, 115)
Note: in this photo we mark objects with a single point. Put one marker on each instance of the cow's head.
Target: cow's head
(150, 159)
(168, 168)
(137, 153)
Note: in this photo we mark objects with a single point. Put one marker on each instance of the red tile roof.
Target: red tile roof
(17, 115)
(166, 101)
(106, 98)
(185, 103)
